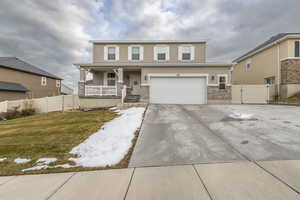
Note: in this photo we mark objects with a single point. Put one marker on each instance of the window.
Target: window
(297, 49)
(111, 53)
(161, 53)
(58, 83)
(44, 81)
(270, 80)
(222, 80)
(248, 64)
(111, 79)
(135, 53)
(186, 53)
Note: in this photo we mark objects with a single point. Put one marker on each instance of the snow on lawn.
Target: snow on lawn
(237, 115)
(21, 160)
(39, 167)
(111, 143)
(2, 159)
(46, 160)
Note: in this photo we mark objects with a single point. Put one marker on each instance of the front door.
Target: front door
(135, 84)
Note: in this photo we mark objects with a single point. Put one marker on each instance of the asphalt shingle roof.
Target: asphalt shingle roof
(8, 86)
(20, 65)
(266, 43)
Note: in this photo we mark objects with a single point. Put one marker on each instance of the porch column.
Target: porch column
(120, 81)
(81, 83)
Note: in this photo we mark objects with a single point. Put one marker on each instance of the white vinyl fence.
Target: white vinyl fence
(253, 94)
(43, 105)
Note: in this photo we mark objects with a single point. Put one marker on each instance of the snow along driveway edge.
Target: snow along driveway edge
(111, 143)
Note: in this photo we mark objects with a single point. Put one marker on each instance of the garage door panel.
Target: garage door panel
(178, 90)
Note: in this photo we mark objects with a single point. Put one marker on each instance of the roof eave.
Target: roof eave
(145, 41)
(263, 48)
(53, 77)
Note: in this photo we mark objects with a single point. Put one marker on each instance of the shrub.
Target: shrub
(16, 112)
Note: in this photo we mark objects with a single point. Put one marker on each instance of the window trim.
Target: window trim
(248, 62)
(180, 53)
(167, 52)
(58, 83)
(117, 52)
(44, 81)
(141, 53)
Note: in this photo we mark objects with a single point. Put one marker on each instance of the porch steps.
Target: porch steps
(132, 99)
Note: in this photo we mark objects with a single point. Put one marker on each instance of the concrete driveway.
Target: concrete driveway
(192, 134)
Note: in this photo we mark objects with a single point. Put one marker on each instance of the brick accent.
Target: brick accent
(214, 93)
(290, 71)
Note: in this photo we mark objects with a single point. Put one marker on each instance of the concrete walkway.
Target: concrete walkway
(268, 180)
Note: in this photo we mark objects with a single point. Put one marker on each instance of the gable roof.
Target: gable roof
(8, 86)
(17, 64)
(270, 41)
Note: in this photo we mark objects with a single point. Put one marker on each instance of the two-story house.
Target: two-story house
(163, 72)
(276, 61)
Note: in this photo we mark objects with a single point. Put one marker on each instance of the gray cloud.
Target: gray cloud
(54, 34)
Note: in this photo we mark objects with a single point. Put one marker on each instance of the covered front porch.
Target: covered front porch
(110, 82)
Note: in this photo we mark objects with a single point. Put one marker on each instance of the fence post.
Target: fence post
(63, 103)
(73, 102)
(47, 110)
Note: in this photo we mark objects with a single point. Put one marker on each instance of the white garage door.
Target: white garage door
(178, 90)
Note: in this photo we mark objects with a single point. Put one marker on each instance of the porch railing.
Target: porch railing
(100, 90)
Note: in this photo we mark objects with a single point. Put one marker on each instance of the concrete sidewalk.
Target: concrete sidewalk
(270, 180)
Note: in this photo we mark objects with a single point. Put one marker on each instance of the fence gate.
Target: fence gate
(252, 94)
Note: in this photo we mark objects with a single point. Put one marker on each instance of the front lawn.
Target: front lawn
(50, 135)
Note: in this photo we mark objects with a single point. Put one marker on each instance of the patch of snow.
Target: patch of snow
(115, 109)
(46, 161)
(39, 167)
(21, 160)
(64, 166)
(236, 115)
(3, 159)
(111, 143)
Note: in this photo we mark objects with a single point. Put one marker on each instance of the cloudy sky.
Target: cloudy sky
(53, 34)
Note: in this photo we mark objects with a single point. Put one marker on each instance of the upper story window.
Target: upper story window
(297, 48)
(161, 52)
(222, 81)
(186, 52)
(58, 83)
(44, 81)
(135, 52)
(248, 64)
(111, 53)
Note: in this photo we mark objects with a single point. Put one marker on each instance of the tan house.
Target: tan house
(163, 72)
(275, 61)
(19, 80)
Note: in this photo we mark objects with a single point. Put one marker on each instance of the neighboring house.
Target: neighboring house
(65, 90)
(276, 61)
(19, 80)
(170, 72)
(12, 91)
